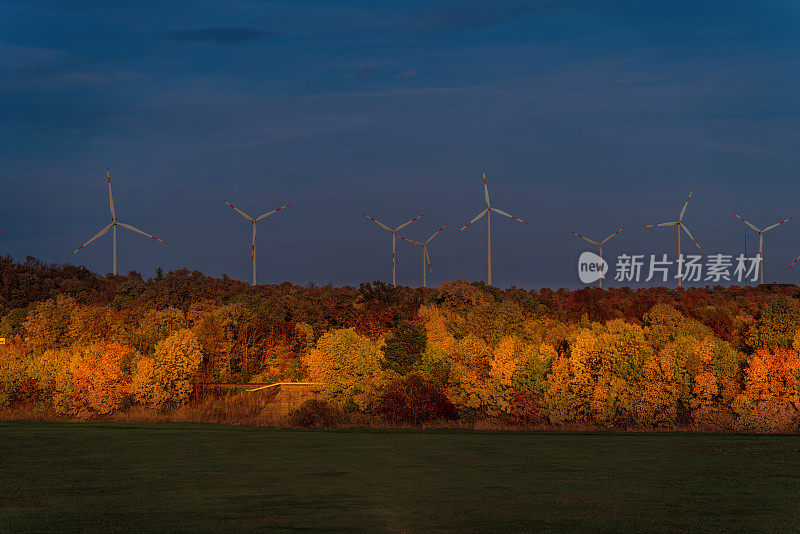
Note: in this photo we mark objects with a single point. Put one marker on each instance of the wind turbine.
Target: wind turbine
(488, 212)
(394, 240)
(254, 221)
(600, 247)
(425, 257)
(761, 241)
(681, 226)
(114, 224)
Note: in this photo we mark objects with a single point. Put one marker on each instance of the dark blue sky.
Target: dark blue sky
(587, 116)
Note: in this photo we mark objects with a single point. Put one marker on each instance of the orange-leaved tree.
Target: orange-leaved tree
(100, 382)
(770, 400)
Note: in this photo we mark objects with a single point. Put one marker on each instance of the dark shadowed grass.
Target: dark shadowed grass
(139, 478)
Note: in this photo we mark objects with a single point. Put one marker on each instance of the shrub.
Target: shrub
(316, 413)
(412, 400)
(525, 409)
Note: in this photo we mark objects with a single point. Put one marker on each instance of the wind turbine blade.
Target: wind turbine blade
(746, 222)
(690, 235)
(134, 229)
(778, 224)
(501, 212)
(481, 214)
(428, 260)
(485, 189)
(436, 233)
(795, 261)
(271, 212)
(410, 240)
(110, 196)
(409, 222)
(685, 205)
(101, 232)
(586, 239)
(246, 216)
(661, 224)
(612, 235)
(377, 222)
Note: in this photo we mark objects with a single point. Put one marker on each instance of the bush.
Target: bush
(412, 400)
(316, 413)
(525, 409)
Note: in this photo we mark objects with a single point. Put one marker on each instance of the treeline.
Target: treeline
(708, 358)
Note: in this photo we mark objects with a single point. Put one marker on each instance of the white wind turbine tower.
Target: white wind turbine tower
(425, 257)
(680, 226)
(761, 241)
(394, 240)
(114, 224)
(488, 212)
(254, 221)
(600, 247)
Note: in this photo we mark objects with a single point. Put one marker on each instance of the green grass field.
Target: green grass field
(96, 477)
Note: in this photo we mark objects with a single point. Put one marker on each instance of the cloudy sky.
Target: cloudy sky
(587, 115)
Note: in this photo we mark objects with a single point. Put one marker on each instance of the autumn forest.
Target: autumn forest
(83, 346)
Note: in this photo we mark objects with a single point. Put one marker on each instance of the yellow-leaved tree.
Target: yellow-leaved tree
(346, 365)
(13, 371)
(470, 369)
(167, 377)
(714, 384)
(597, 380)
(52, 369)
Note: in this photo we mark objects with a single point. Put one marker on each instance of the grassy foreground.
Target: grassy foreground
(96, 477)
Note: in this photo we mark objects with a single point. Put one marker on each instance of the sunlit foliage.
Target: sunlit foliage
(167, 377)
(347, 367)
(712, 359)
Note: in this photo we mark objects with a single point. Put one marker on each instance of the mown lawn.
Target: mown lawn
(139, 478)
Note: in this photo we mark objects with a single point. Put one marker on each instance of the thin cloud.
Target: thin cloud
(26, 57)
(399, 92)
(473, 15)
(220, 34)
(366, 69)
(407, 74)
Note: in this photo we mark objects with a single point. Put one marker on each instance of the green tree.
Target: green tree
(404, 347)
